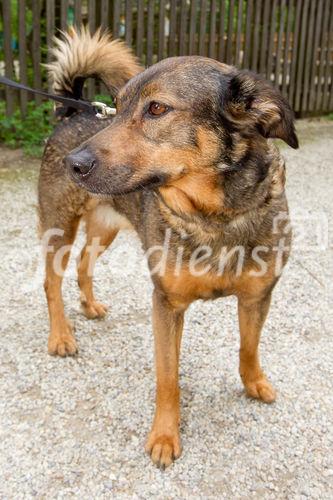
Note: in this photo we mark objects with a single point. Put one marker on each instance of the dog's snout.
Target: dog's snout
(81, 162)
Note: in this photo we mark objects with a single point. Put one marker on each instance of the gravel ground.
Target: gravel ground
(75, 428)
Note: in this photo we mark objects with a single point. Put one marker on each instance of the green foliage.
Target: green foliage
(107, 99)
(28, 133)
(330, 116)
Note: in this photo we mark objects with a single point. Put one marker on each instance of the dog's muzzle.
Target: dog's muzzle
(80, 163)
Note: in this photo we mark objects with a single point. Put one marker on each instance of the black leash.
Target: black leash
(100, 109)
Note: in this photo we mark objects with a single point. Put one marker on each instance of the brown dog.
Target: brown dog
(186, 160)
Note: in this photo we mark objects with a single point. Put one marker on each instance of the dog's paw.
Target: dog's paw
(163, 448)
(94, 310)
(261, 389)
(62, 343)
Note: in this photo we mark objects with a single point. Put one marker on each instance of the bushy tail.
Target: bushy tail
(79, 55)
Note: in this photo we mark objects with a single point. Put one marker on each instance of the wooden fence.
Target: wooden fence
(290, 42)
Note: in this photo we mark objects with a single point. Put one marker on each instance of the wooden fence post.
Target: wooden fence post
(7, 42)
(36, 48)
(23, 74)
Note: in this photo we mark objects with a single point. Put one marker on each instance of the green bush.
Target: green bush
(28, 133)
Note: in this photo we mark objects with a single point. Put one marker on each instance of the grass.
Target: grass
(31, 132)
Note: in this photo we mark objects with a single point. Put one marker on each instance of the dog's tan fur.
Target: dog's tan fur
(203, 168)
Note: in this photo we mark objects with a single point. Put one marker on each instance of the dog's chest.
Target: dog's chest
(103, 215)
(185, 288)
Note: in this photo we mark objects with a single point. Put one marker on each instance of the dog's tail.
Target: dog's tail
(79, 55)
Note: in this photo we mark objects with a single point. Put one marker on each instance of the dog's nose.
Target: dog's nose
(81, 162)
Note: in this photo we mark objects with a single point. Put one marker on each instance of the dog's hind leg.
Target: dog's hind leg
(99, 237)
(61, 339)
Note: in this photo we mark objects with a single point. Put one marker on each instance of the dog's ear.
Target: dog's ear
(252, 101)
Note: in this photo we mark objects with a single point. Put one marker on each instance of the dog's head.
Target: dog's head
(187, 124)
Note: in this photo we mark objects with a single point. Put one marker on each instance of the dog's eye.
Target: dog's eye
(157, 109)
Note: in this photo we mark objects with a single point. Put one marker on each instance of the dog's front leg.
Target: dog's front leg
(252, 315)
(164, 442)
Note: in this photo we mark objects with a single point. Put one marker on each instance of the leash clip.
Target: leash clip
(103, 110)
